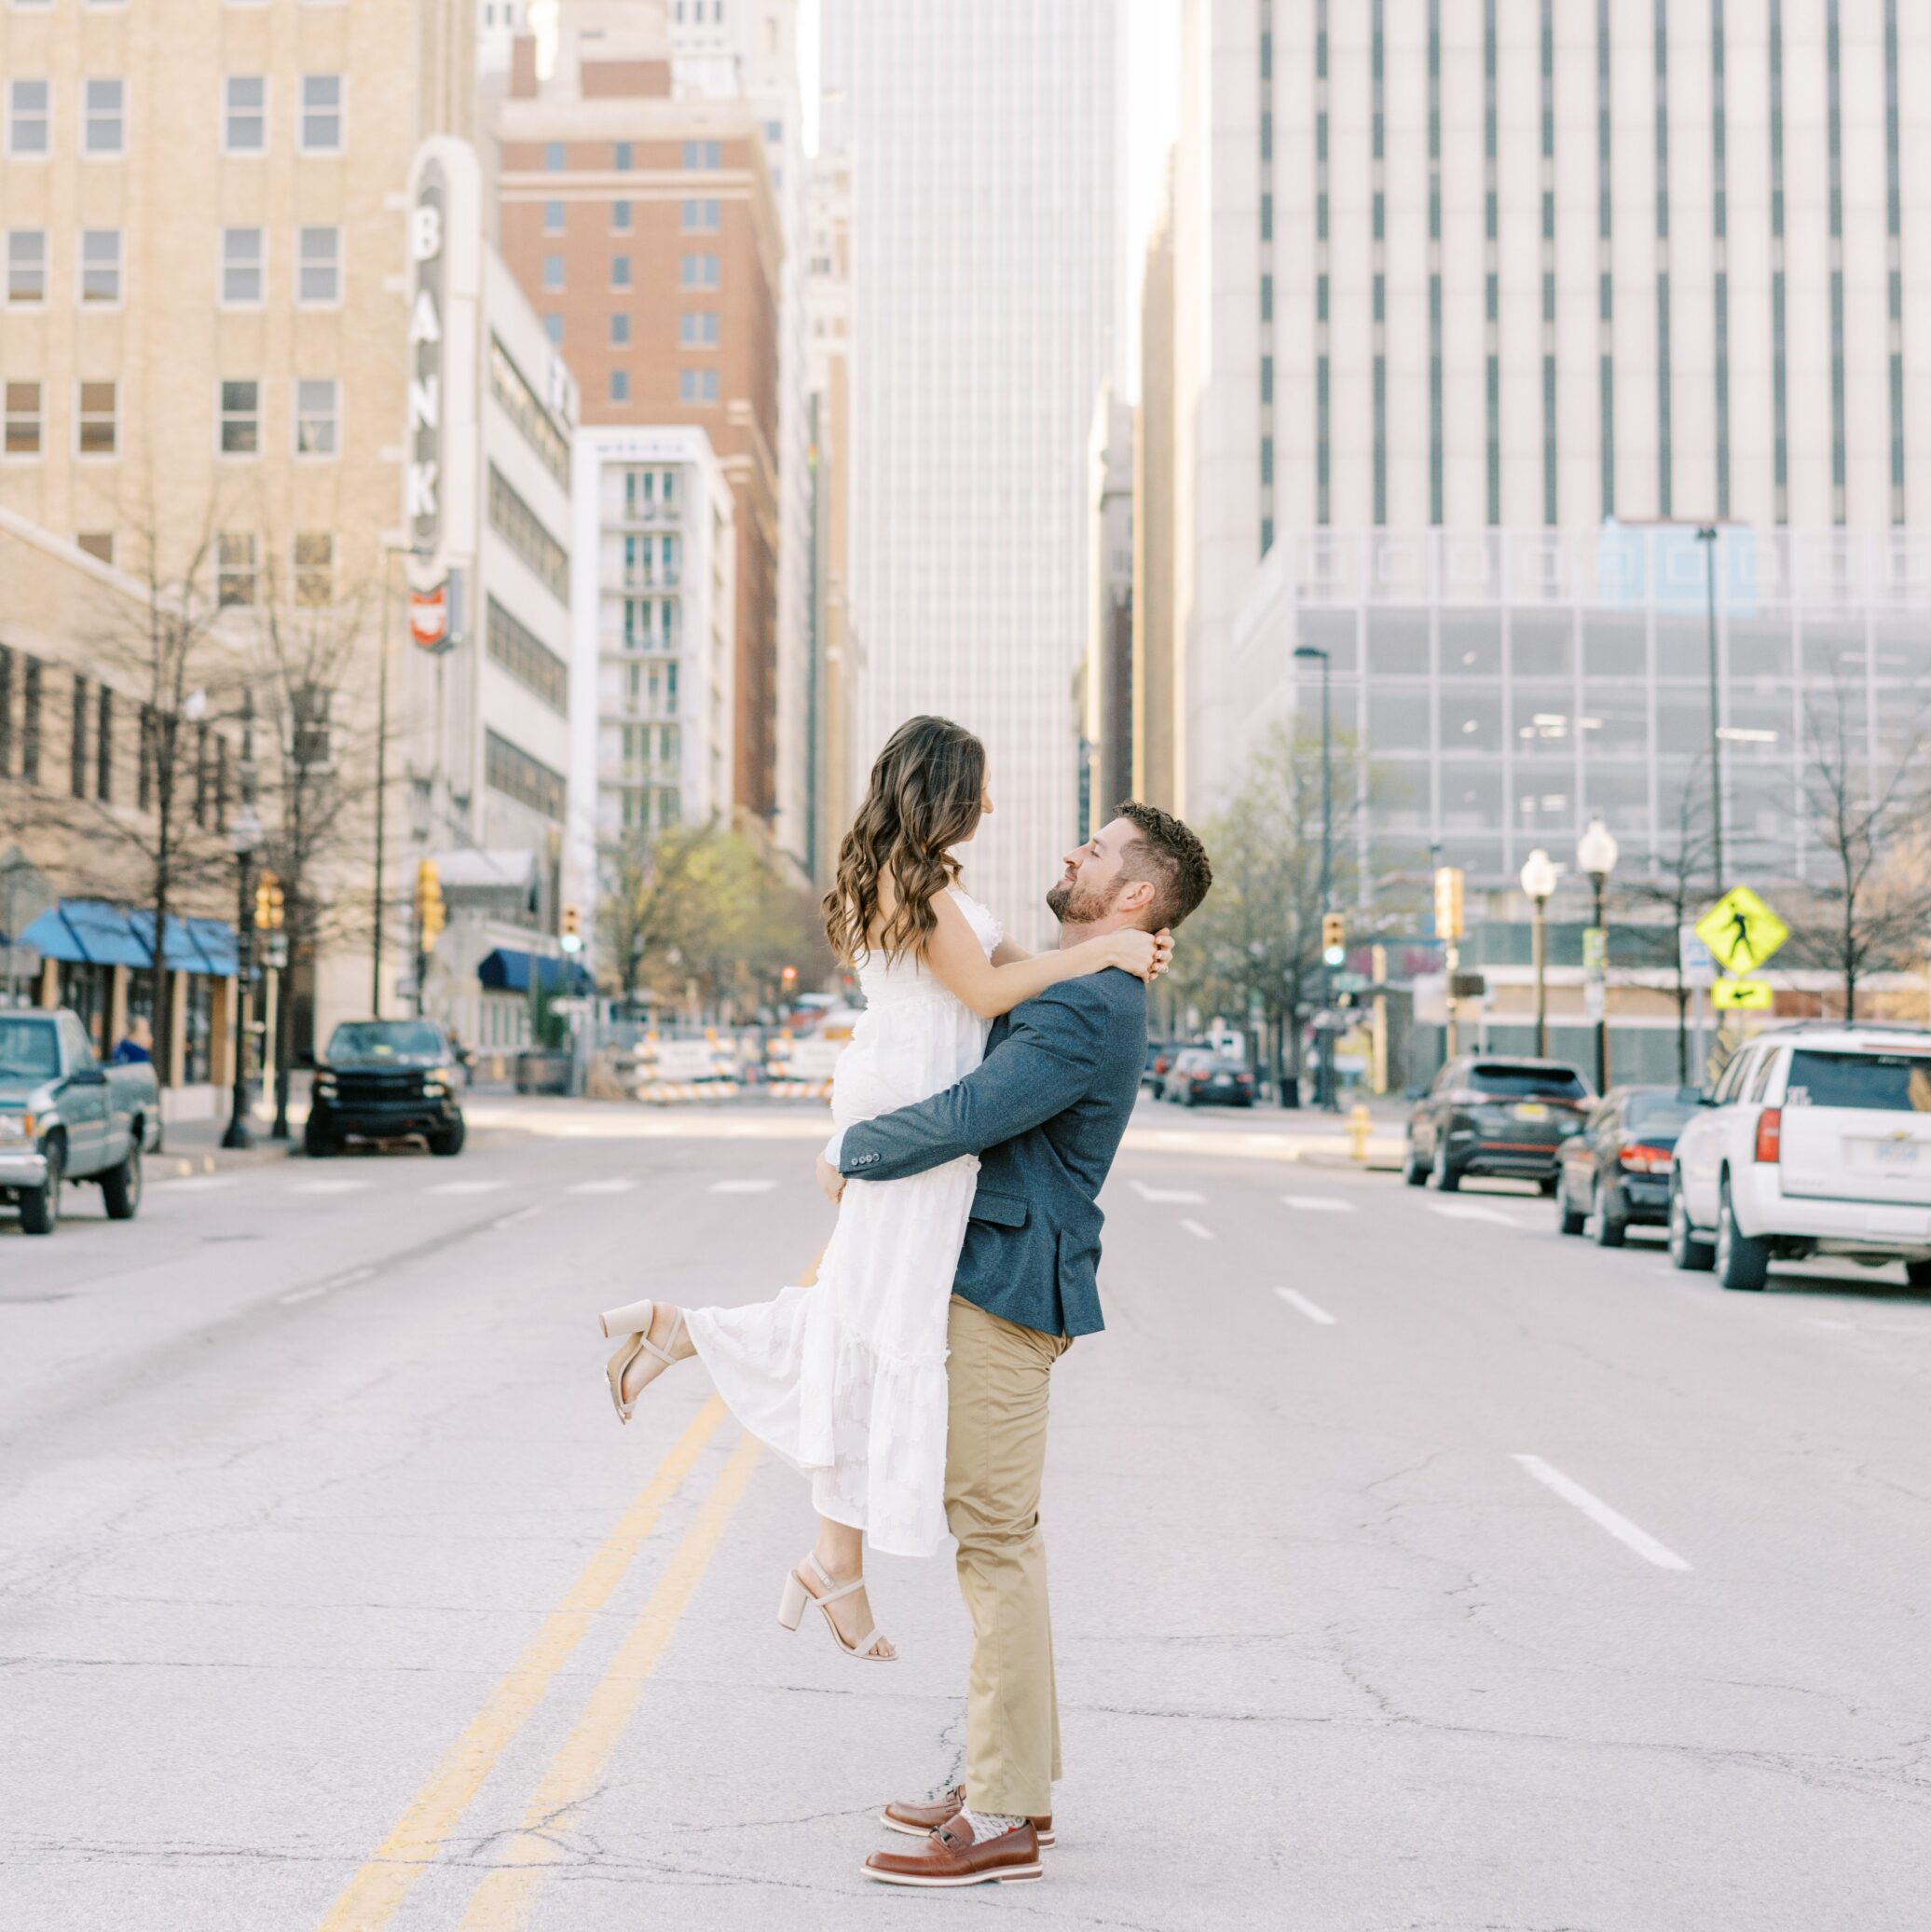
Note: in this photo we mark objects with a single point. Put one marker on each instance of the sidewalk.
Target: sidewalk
(194, 1147)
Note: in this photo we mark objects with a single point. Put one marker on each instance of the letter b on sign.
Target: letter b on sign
(425, 232)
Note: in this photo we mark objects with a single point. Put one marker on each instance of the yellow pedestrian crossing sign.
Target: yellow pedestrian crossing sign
(1741, 931)
(1742, 995)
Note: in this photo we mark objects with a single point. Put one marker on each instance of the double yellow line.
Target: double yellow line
(501, 1902)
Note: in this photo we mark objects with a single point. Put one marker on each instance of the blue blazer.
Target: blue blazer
(1044, 1111)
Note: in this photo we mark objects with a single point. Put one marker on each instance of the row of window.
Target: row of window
(527, 659)
(315, 420)
(100, 279)
(524, 530)
(321, 103)
(699, 156)
(697, 328)
(693, 385)
(511, 770)
(699, 216)
(700, 271)
(525, 409)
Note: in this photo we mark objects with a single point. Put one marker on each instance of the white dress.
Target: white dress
(845, 1379)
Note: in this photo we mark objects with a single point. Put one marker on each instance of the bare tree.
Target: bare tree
(1863, 808)
(1685, 867)
(642, 910)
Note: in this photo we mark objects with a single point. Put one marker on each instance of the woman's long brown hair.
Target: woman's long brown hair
(924, 796)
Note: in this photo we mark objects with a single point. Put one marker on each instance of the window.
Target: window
(104, 742)
(552, 217)
(510, 388)
(27, 117)
(5, 709)
(697, 328)
(619, 385)
(553, 155)
(235, 572)
(552, 271)
(620, 271)
(244, 122)
(775, 130)
(511, 770)
(619, 157)
(77, 738)
(97, 419)
(26, 264)
(240, 418)
(552, 327)
(241, 267)
(620, 217)
(697, 385)
(30, 721)
(315, 569)
(100, 266)
(319, 267)
(103, 126)
(703, 154)
(700, 216)
(22, 418)
(315, 416)
(520, 526)
(699, 271)
(620, 330)
(322, 114)
(527, 659)
(98, 545)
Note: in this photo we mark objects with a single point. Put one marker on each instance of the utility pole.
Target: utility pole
(1707, 536)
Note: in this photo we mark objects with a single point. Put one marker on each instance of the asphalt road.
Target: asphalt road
(1413, 1568)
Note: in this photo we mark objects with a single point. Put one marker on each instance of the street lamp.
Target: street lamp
(1325, 1060)
(1596, 853)
(245, 841)
(1538, 880)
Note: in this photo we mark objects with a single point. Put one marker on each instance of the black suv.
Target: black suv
(1487, 1115)
(386, 1081)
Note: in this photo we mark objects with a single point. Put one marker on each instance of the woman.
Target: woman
(845, 1378)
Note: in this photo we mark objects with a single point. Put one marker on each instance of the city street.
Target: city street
(1412, 1566)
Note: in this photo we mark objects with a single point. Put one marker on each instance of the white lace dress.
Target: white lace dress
(845, 1379)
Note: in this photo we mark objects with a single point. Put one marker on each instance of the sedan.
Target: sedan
(1617, 1168)
(1199, 1078)
(1484, 1115)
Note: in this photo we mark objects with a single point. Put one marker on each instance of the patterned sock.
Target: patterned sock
(989, 1823)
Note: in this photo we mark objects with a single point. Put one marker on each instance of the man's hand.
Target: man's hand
(832, 1183)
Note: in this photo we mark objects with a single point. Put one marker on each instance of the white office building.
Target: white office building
(981, 144)
(655, 639)
(1461, 284)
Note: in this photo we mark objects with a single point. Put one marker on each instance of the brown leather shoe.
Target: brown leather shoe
(917, 1820)
(952, 1857)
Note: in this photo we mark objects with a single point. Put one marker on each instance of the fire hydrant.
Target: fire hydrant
(1358, 1132)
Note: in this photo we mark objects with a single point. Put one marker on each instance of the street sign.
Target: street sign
(1698, 963)
(1595, 949)
(1741, 931)
(1351, 982)
(1742, 995)
(1595, 1000)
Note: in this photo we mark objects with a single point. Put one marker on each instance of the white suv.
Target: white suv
(1816, 1140)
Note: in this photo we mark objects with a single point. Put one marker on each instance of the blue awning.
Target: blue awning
(92, 932)
(506, 971)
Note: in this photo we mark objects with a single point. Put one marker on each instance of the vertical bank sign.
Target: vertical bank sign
(428, 608)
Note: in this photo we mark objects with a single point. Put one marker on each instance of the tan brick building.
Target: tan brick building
(644, 230)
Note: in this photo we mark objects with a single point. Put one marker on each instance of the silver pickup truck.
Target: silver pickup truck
(64, 1116)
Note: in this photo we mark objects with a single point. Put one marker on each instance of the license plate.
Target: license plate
(1531, 1110)
(1897, 1153)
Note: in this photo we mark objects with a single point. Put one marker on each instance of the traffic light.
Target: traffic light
(1333, 939)
(572, 937)
(1448, 923)
(430, 919)
(267, 903)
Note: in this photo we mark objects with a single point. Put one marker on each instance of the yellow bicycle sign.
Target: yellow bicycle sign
(1741, 931)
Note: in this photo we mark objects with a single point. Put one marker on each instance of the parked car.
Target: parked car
(386, 1081)
(1160, 1056)
(64, 1116)
(1815, 1141)
(1617, 1168)
(1484, 1114)
(1200, 1077)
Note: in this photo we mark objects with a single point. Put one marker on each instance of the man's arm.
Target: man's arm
(1046, 1063)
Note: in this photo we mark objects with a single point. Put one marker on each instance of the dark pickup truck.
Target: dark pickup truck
(386, 1081)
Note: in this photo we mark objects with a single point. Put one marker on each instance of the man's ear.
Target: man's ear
(1135, 896)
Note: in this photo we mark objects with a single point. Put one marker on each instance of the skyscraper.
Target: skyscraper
(983, 289)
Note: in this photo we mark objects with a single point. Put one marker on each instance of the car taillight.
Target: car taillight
(1642, 1160)
(1770, 1134)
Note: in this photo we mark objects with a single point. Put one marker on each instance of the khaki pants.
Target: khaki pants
(995, 1454)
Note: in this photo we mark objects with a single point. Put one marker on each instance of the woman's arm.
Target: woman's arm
(1009, 952)
(958, 961)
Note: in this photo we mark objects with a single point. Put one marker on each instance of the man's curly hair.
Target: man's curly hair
(1166, 853)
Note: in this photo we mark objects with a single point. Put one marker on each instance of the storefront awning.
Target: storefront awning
(505, 970)
(92, 932)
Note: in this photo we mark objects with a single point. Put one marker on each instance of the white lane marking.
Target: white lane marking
(1602, 1516)
(1310, 1309)
(742, 1186)
(1177, 1197)
(303, 1294)
(520, 1214)
(617, 1184)
(350, 1279)
(1318, 1203)
(197, 1183)
(1467, 1211)
(343, 1281)
(1199, 1232)
(464, 1188)
(329, 1186)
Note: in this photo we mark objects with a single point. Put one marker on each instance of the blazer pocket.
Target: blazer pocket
(1002, 1210)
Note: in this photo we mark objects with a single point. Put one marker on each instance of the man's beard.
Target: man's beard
(1071, 906)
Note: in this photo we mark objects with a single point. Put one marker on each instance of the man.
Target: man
(1046, 1111)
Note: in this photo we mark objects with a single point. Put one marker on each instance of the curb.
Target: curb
(1319, 1157)
(181, 1167)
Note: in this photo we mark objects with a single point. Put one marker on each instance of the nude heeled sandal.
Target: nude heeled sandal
(798, 1593)
(633, 1322)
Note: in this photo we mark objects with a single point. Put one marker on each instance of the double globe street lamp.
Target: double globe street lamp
(1539, 881)
(1595, 854)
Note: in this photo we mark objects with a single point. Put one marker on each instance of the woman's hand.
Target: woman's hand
(1162, 952)
(1132, 951)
